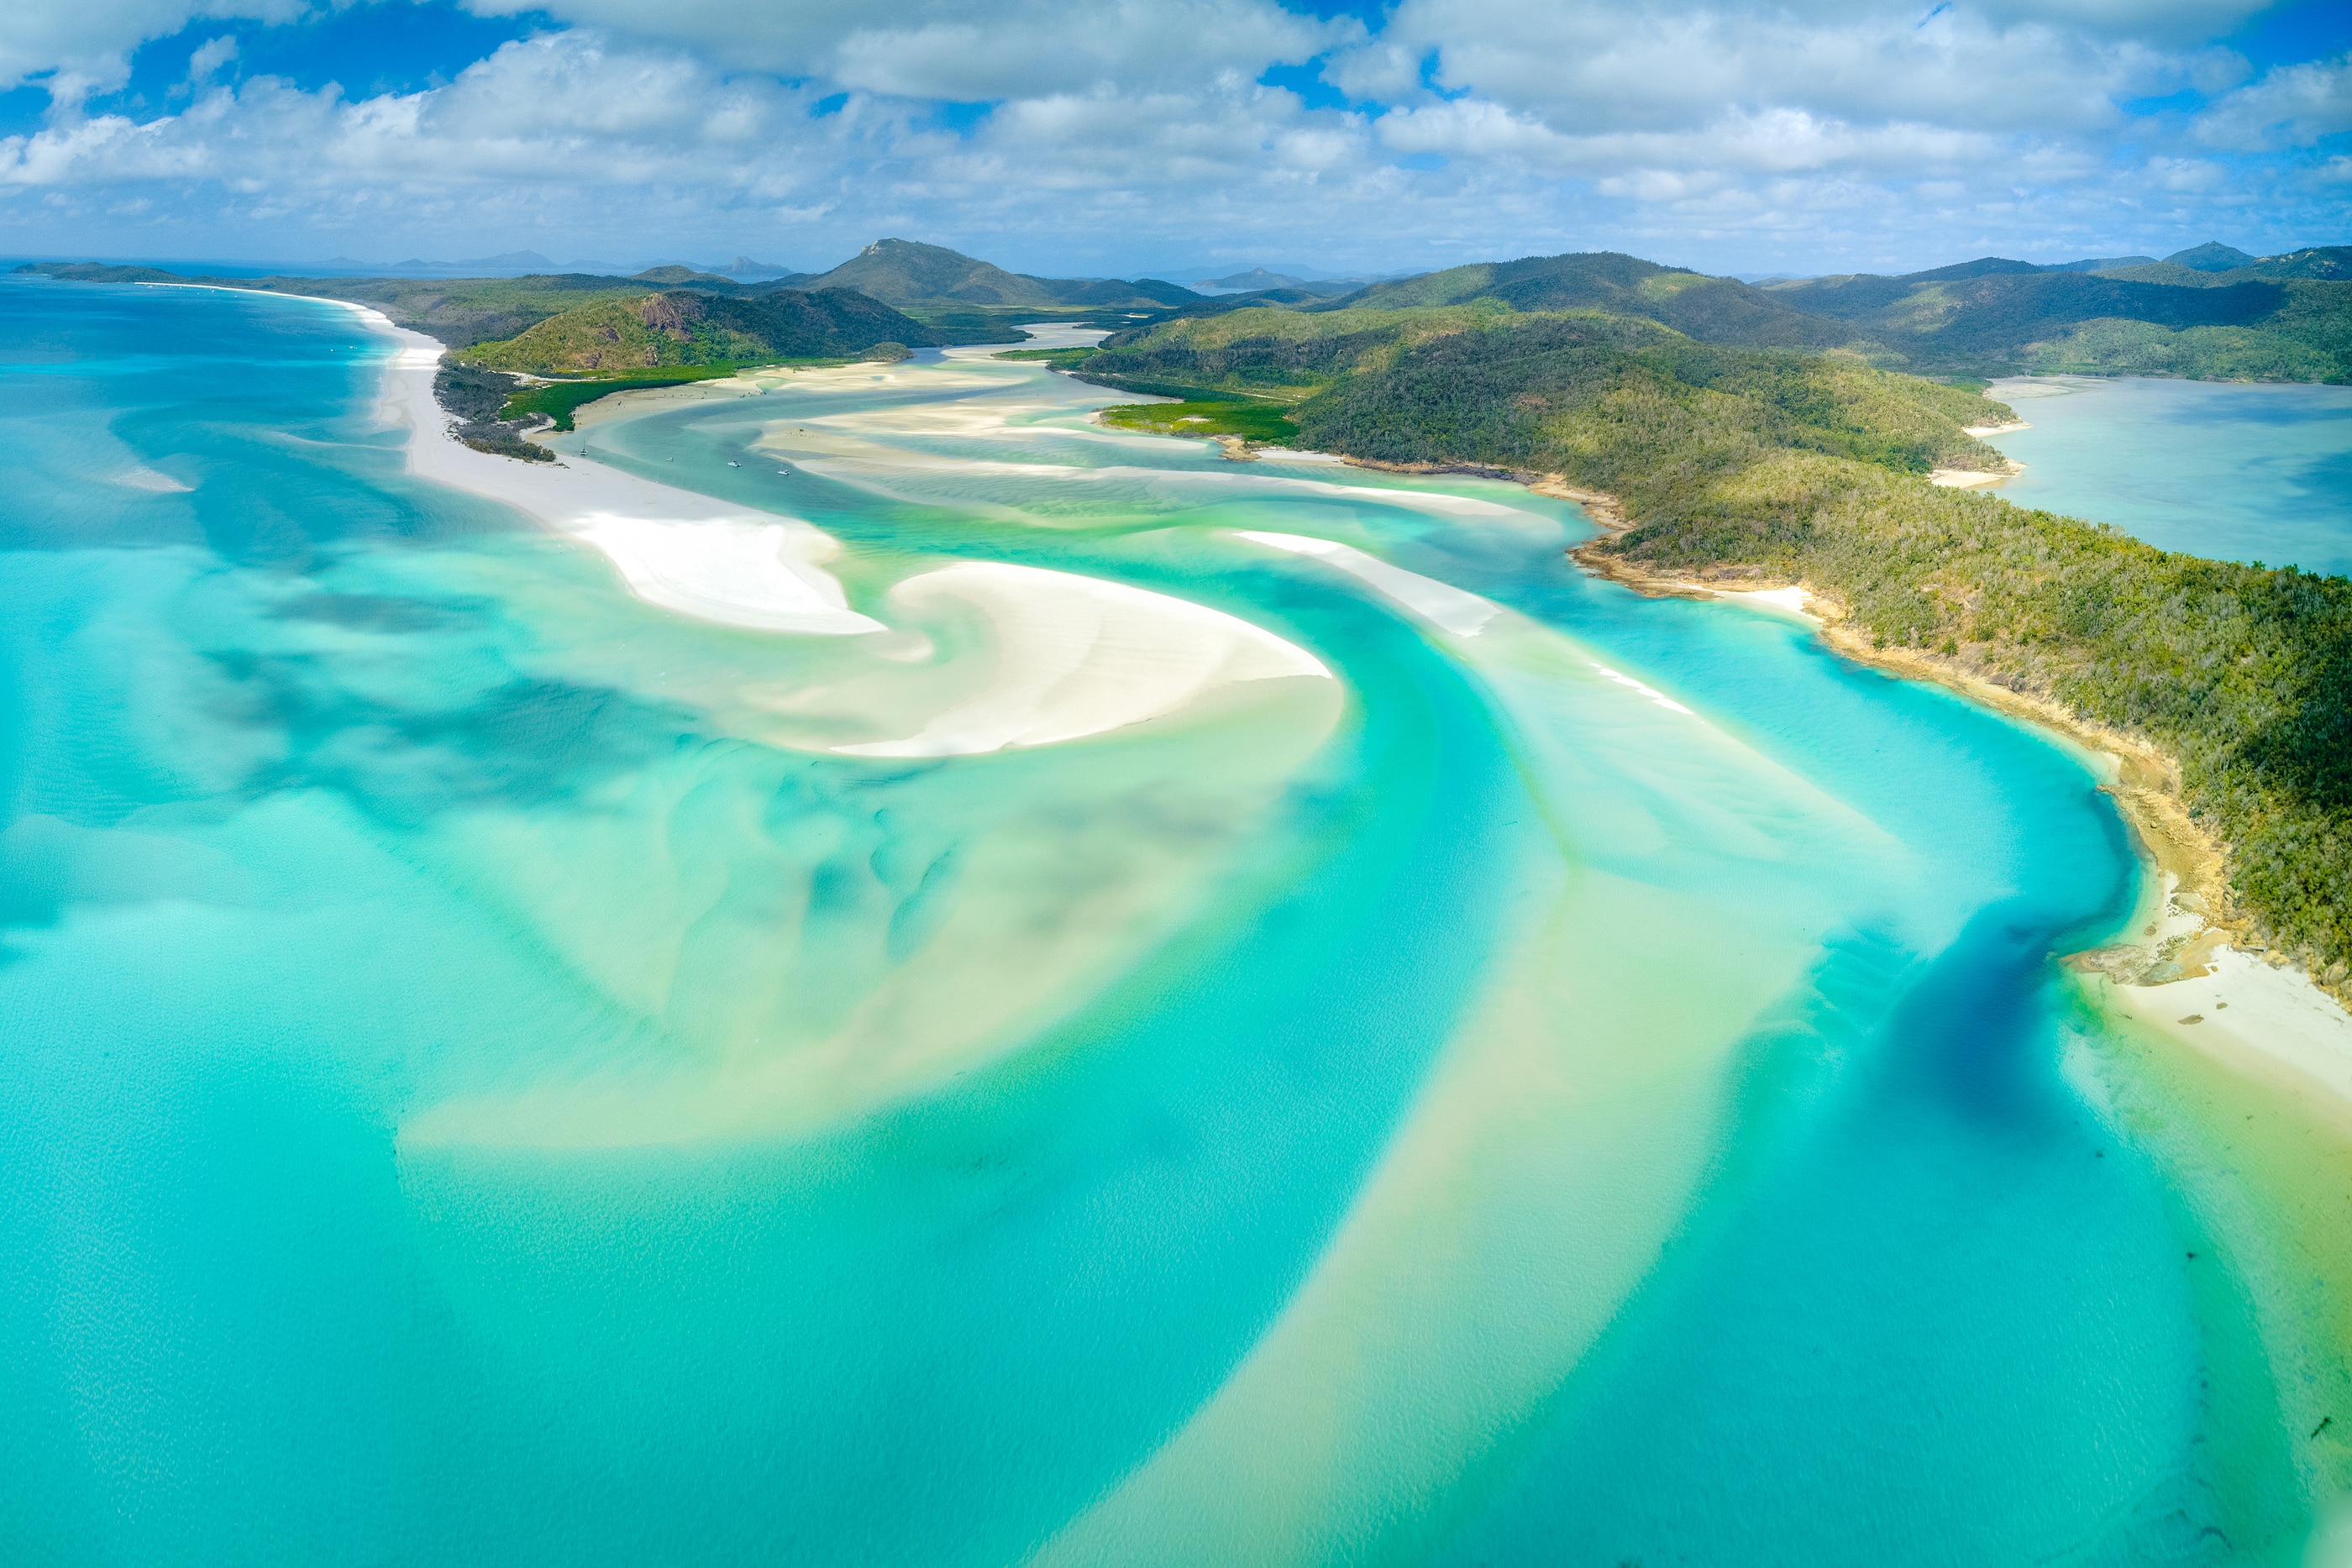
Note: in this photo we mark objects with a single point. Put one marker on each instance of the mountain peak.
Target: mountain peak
(2213, 257)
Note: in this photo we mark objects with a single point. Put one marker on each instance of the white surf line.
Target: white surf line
(1440, 604)
(681, 552)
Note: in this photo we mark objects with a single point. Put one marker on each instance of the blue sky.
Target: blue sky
(1113, 136)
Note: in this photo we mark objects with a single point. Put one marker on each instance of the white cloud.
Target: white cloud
(209, 58)
(87, 43)
(1623, 66)
(2186, 20)
(1738, 136)
(2292, 105)
(951, 49)
(2186, 174)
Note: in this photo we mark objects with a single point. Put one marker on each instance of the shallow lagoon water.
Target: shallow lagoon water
(481, 1086)
(2228, 470)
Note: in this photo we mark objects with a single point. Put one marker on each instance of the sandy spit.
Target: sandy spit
(684, 552)
(1074, 655)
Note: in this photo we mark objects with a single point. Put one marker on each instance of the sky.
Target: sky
(1122, 136)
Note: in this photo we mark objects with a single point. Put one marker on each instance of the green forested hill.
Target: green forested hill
(1720, 309)
(2217, 267)
(2164, 318)
(1282, 354)
(692, 328)
(1632, 411)
(905, 272)
(2212, 311)
(1812, 467)
(1809, 469)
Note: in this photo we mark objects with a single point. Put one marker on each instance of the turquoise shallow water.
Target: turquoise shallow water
(1505, 1115)
(2228, 470)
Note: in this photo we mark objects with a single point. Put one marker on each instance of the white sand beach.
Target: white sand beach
(145, 478)
(682, 551)
(1971, 478)
(1791, 600)
(2268, 1023)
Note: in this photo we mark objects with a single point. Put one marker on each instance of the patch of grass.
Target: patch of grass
(1060, 359)
(559, 399)
(952, 324)
(1250, 420)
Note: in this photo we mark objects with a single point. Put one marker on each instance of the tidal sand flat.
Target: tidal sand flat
(2232, 470)
(1182, 1012)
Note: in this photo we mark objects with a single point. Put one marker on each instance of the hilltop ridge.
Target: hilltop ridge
(2208, 311)
(689, 326)
(906, 272)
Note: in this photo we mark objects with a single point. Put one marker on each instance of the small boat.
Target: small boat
(734, 465)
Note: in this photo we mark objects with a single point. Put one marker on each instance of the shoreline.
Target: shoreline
(1974, 479)
(2143, 777)
(2186, 957)
(2190, 865)
(675, 549)
(2186, 942)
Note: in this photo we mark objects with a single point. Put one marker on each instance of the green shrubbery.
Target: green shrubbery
(690, 328)
(1811, 467)
(559, 400)
(2120, 348)
(1252, 421)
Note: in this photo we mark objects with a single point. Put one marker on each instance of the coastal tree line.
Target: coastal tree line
(1813, 468)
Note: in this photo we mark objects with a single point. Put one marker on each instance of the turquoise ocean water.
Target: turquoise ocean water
(2230, 470)
(478, 1087)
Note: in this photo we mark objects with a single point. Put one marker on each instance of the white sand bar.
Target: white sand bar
(685, 552)
(1440, 604)
(1078, 657)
